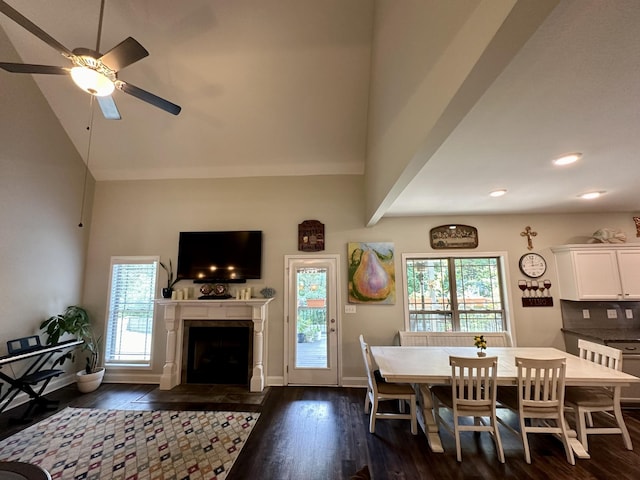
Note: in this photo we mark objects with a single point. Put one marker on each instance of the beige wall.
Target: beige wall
(144, 218)
(42, 250)
(425, 78)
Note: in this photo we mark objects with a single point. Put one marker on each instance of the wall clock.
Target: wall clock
(533, 265)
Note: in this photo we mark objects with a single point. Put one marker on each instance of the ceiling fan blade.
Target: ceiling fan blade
(108, 107)
(28, 68)
(124, 54)
(145, 96)
(27, 24)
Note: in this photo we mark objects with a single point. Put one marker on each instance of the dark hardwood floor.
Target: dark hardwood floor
(312, 433)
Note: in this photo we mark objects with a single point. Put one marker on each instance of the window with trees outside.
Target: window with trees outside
(449, 294)
(132, 288)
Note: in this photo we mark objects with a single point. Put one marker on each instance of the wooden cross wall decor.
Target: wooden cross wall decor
(528, 233)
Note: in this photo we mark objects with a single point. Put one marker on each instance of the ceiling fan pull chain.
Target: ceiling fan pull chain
(86, 169)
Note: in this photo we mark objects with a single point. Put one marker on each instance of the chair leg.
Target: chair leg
(367, 401)
(372, 416)
(456, 431)
(589, 420)
(401, 405)
(496, 438)
(525, 440)
(617, 411)
(565, 440)
(412, 410)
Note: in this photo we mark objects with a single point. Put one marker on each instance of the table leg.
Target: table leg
(426, 419)
(578, 449)
(575, 444)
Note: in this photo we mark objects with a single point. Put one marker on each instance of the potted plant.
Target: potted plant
(75, 321)
(166, 292)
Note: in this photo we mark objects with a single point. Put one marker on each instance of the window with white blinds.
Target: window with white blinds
(129, 336)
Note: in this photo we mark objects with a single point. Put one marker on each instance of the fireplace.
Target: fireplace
(249, 316)
(217, 352)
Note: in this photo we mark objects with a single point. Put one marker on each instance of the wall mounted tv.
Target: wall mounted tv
(224, 257)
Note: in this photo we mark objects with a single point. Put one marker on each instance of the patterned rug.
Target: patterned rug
(80, 443)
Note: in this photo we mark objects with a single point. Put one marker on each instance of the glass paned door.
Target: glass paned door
(311, 317)
(312, 322)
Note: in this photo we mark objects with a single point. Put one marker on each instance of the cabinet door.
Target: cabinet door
(596, 274)
(629, 265)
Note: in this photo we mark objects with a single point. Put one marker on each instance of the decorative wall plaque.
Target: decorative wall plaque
(453, 236)
(310, 236)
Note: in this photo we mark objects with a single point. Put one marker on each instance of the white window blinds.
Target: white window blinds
(129, 336)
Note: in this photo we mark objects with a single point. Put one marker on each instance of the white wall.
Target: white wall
(144, 218)
(42, 250)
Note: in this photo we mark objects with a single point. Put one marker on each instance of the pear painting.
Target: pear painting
(371, 273)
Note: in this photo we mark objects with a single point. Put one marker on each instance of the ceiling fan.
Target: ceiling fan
(92, 71)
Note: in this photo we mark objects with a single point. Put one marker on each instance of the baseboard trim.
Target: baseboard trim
(55, 384)
(139, 378)
(355, 382)
(275, 381)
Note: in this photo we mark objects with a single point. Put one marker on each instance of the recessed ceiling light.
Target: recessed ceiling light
(567, 159)
(591, 195)
(498, 193)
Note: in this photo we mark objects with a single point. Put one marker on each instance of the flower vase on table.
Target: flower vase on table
(480, 343)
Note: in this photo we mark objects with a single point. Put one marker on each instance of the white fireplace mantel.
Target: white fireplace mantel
(177, 311)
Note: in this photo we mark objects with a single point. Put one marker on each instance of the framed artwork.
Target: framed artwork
(310, 236)
(453, 236)
(372, 277)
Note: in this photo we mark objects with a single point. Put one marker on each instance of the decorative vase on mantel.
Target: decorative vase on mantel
(166, 292)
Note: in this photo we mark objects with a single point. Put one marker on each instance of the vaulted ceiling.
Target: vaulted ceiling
(282, 87)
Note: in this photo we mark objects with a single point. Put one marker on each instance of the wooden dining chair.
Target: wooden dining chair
(539, 398)
(472, 393)
(587, 400)
(378, 390)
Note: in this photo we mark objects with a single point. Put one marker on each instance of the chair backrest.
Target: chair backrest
(541, 384)
(600, 354)
(473, 381)
(368, 364)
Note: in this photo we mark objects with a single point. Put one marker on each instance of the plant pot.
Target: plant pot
(300, 337)
(88, 382)
(166, 292)
(482, 354)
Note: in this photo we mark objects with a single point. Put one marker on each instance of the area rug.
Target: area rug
(80, 443)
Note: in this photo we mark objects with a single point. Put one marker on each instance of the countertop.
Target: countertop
(607, 334)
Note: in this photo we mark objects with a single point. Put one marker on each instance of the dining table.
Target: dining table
(425, 366)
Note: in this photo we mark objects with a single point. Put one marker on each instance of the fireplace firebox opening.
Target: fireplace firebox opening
(218, 352)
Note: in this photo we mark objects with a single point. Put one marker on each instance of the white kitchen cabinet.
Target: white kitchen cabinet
(598, 271)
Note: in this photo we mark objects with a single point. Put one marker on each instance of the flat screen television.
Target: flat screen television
(224, 257)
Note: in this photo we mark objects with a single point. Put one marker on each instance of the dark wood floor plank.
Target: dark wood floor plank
(313, 433)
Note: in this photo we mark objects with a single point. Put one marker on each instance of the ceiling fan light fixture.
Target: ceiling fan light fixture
(591, 195)
(92, 81)
(567, 159)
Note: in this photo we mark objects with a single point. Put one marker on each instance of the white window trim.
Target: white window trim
(503, 260)
(124, 259)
